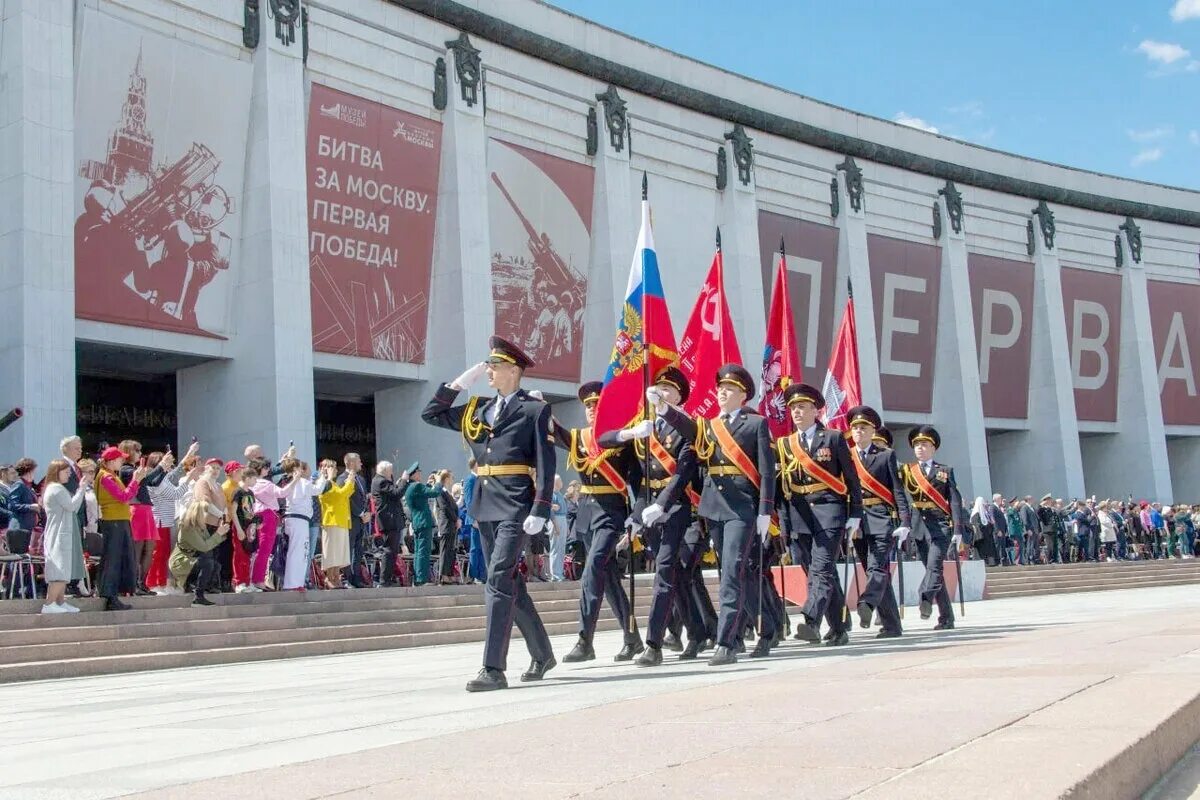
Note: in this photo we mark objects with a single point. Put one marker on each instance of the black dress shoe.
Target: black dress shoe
(763, 648)
(722, 656)
(691, 651)
(708, 644)
(142, 591)
(865, 612)
(115, 604)
(538, 669)
(672, 643)
(838, 640)
(807, 633)
(944, 626)
(651, 658)
(488, 680)
(630, 650)
(778, 637)
(926, 609)
(582, 651)
(201, 600)
(886, 634)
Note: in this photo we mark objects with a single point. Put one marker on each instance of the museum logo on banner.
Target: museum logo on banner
(372, 195)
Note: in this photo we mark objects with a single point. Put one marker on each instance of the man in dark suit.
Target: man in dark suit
(823, 500)
(937, 519)
(672, 462)
(737, 499)
(885, 516)
(360, 513)
(510, 437)
(388, 497)
(605, 473)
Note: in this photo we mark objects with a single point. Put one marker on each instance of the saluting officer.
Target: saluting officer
(738, 496)
(605, 474)
(672, 468)
(885, 516)
(937, 518)
(509, 437)
(823, 499)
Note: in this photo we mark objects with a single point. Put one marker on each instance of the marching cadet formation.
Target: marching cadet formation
(674, 484)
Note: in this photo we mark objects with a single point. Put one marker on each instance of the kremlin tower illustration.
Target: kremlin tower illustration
(131, 146)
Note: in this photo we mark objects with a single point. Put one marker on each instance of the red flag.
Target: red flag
(708, 342)
(781, 363)
(843, 384)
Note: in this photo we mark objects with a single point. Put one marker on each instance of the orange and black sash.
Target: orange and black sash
(870, 482)
(927, 489)
(664, 457)
(597, 461)
(734, 452)
(831, 481)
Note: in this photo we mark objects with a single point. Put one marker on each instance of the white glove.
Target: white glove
(956, 540)
(652, 514)
(640, 431)
(764, 526)
(901, 534)
(464, 381)
(536, 394)
(655, 399)
(852, 524)
(533, 524)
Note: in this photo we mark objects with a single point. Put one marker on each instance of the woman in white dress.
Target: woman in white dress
(298, 513)
(63, 542)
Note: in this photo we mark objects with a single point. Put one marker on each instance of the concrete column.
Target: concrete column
(737, 216)
(1183, 453)
(37, 245)
(461, 310)
(270, 377)
(615, 223)
(1046, 456)
(957, 399)
(1134, 459)
(854, 263)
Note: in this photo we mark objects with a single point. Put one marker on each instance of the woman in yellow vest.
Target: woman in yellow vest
(118, 568)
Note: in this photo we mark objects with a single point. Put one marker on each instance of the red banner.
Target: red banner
(1002, 302)
(1092, 304)
(1176, 329)
(781, 363)
(843, 383)
(906, 279)
(372, 195)
(708, 342)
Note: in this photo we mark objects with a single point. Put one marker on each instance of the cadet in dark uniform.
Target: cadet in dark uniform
(509, 436)
(672, 464)
(823, 499)
(885, 515)
(737, 499)
(937, 518)
(605, 474)
(694, 603)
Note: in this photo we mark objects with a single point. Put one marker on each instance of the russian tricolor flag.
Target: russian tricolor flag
(645, 341)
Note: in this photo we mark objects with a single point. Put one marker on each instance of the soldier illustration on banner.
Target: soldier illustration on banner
(540, 211)
(154, 235)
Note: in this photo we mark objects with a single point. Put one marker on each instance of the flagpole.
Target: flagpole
(785, 546)
(646, 449)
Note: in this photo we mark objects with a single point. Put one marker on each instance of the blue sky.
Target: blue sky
(1106, 85)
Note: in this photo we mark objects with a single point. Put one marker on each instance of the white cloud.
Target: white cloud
(1185, 10)
(910, 121)
(1162, 52)
(1147, 156)
(1194, 137)
(1152, 134)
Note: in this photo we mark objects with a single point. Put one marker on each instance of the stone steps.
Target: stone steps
(1091, 577)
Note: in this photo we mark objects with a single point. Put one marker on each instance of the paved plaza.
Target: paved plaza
(1028, 698)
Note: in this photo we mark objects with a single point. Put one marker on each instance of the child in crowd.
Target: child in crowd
(246, 522)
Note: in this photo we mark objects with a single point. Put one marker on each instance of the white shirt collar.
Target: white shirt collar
(810, 432)
(925, 465)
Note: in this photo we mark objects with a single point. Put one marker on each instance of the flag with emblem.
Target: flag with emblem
(645, 341)
(843, 384)
(781, 363)
(709, 341)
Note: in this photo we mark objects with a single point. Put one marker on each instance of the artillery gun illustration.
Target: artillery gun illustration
(187, 190)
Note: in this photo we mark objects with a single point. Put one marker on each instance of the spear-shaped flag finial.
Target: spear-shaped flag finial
(781, 250)
(718, 237)
(849, 288)
(645, 188)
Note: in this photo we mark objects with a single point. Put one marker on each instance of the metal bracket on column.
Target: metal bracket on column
(722, 169)
(1119, 252)
(954, 206)
(1133, 235)
(1029, 241)
(743, 152)
(250, 25)
(937, 221)
(287, 15)
(854, 183)
(593, 132)
(467, 66)
(835, 202)
(616, 117)
(440, 91)
(304, 34)
(1046, 223)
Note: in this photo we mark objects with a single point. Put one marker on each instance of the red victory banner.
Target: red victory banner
(372, 193)
(709, 341)
(781, 362)
(843, 383)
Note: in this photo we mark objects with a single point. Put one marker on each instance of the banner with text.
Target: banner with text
(159, 178)
(540, 215)
(1002, 304)
(1092, 304)
(372, 197)
(1176, 326)
(906, 283)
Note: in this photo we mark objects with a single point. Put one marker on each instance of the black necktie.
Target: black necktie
(499, 410)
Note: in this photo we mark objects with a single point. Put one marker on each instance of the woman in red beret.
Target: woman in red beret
(118, 568)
